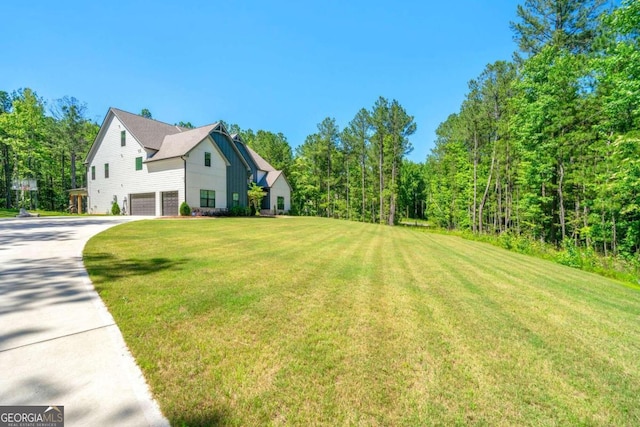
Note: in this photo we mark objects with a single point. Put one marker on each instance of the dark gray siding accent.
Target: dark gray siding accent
(265, 200)
(254, 169)
(237, 173)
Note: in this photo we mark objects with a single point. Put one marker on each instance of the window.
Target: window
(93, 172)
(236, 199)
(207, 199)
(280, 203)
(106, 170)
(207, 159)
(123, 138)
(138, 163)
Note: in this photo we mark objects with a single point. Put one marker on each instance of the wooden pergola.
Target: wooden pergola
(75, 199)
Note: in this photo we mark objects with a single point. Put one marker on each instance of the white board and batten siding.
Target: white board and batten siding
(124, 179)
(201, 177)
(280, 188)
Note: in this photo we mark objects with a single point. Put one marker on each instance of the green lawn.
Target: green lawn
(307, 321)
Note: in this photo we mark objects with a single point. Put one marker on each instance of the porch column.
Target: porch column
(79, 204)
(70, 203)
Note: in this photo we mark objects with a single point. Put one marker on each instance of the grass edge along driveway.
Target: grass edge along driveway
(324, 322)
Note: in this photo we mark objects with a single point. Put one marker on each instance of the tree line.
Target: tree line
(356, 173)
(42, 146)
(544, 146)
(548, 145)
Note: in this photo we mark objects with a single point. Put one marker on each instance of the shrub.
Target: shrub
(239, 211)
(115, 208)
(185, 210)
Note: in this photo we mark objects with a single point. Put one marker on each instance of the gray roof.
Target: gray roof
(261, 163)
(177, 145)
(272, 176)
(150, 133)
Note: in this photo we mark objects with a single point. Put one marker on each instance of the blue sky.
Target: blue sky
(281, 66)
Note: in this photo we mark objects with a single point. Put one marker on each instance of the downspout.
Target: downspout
(185, 177)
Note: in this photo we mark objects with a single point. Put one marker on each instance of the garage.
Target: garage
(170, 203)
(143, 204)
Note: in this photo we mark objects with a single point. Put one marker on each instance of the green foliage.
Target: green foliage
(185, 209)
(186, 125)
(543, 154)
(239, 211)
(115, 208)
(567, 24)
(49, 149)
(274, 148)
(255, 194)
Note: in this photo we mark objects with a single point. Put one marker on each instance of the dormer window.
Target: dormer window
(123, 138)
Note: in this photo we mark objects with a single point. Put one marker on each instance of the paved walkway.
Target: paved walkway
(58, 343)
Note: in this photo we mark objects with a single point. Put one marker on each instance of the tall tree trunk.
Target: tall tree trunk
(348, 212)
(486, 190)
(380, 165)
(7, 175)
(364, 209)
(392, 202)
(563, 226)
(328, 183)
(475, 182)
(73, 169)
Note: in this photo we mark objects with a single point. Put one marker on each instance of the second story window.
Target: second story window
(93, 172)
(123, 138)
(138, 163)
(106, 170)
(207, 159)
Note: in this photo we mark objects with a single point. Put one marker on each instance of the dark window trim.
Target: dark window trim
(207, 198)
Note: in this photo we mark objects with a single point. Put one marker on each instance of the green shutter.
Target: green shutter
(138, 163)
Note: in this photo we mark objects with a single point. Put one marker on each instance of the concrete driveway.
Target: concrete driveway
(58, 343)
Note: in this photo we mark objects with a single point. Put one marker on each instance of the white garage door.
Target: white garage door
(143, 204)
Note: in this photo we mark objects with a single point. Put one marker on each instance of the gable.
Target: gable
(150, 133)
(110, 130)
(181, 144)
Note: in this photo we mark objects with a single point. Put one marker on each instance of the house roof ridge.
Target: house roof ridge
(148, 132)
(146, 118)
(260, 161)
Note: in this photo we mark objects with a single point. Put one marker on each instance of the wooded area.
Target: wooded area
(42, 148)
(546, 146)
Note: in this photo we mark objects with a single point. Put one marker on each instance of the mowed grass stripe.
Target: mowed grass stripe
(323, 322)
(538, 320)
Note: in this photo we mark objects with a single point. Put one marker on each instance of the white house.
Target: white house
(150, 168)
